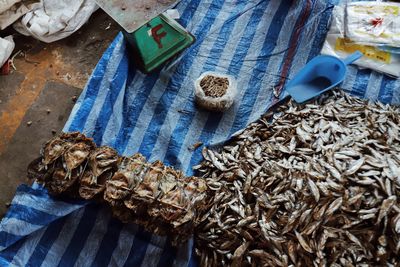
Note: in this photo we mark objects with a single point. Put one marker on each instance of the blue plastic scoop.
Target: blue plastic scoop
(319, 75)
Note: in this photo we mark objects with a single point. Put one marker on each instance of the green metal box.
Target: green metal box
(157, 41)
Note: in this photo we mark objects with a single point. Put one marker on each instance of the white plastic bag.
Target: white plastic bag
(12, 10)
(336, 44)
(7, 4)
(51, 20)
(11, 15)
(374, 23)
(215, 103)
(6, 47)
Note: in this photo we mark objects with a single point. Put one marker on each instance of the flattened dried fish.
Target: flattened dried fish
(102, 164)
(159, 198)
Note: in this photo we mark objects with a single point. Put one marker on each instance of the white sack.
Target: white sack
(374, 23)
(11, 11)
(7, 4)
(6, 47)
(52, 20)
(11, 15)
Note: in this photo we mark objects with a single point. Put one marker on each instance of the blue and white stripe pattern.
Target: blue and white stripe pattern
(260, 42)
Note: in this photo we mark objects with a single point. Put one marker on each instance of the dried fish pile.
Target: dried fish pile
(155, 196)
(312, 185)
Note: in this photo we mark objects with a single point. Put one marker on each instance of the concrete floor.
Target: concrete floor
(42, 91)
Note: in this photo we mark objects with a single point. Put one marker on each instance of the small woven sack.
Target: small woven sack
(216, 98)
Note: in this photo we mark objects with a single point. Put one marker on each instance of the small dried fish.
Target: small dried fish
(303, 243)
(354, 166)
(314, 190)
(238, 254)
(387, 204)
(326, 194)
(334, 206)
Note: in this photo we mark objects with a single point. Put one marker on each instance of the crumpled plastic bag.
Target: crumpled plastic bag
(51, 20)
(12, 10)
(6, 47)
(7, 4)
(11, 15)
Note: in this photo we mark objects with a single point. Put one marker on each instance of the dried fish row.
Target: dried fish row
(155, 196)
(309, 185)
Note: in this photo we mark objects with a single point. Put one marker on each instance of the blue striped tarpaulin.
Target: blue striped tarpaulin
(260, 42)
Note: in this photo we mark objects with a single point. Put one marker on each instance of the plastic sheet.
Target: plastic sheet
(261, 43)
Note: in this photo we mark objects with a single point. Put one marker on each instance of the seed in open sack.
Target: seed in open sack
(214, 86)
(215, 91)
